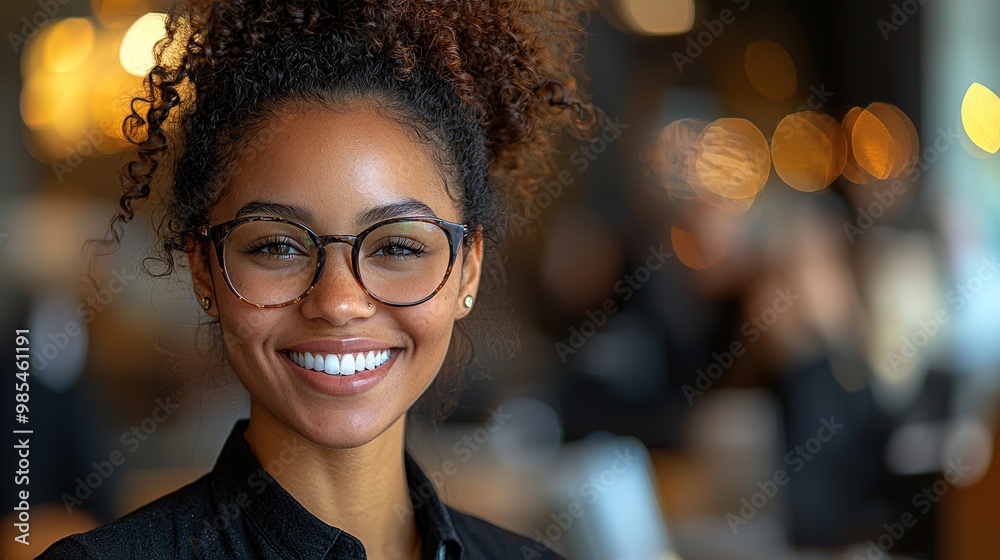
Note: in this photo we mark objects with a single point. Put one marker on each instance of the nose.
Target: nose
(337, 295)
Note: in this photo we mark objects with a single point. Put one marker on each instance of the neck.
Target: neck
(365, 502)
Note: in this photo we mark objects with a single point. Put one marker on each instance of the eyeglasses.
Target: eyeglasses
(273, 262)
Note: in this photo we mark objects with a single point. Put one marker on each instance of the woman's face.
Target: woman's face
(335, 167)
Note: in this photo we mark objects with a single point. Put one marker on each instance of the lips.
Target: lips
(341, 366)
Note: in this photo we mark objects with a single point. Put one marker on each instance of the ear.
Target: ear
(200, 259)
(472, 268)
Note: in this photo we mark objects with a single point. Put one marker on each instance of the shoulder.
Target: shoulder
(491, 541)
(156, 530)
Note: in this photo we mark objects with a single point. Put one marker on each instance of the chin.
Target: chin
(342, 429)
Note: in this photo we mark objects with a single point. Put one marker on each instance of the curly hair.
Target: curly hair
(489, 84)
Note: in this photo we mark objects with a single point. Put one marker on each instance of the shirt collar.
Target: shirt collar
(290, 528)
(440, 542)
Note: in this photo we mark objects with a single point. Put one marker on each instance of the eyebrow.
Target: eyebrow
(405, 207)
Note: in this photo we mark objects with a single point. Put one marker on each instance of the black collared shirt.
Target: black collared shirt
(239, 511)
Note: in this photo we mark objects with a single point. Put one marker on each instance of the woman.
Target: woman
(339, 172)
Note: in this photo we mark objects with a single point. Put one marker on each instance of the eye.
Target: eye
(274, 248)
(399, 248)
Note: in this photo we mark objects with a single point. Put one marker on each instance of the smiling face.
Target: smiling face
(337, 173)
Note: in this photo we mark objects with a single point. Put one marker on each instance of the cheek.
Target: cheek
(429, 325)
(244, 331)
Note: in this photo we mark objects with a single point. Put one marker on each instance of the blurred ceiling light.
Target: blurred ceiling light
(72, 103)
(874, 148)
(970, 147)
(118, 13)
(903, 134)
(809, 150)
(694, 251)
(672, 157)
(853, 171)
(981, 117)
(68, 45)
(136, 54)
(733, 159)
(657, 17)
(40, 99)
(770, 70)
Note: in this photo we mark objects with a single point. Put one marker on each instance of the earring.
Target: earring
(468, 301)
(206, 303)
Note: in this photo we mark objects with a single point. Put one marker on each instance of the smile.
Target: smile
(340, 364)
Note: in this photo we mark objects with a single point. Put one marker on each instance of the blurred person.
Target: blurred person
(339, 172)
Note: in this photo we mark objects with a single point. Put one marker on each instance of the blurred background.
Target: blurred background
(759, 317)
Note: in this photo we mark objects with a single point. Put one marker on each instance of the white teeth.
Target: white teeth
(332, 364)
(347, 364)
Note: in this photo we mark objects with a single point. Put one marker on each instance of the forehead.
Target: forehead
(337, 163)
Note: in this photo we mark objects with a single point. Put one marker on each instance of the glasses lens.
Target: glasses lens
(404, 262)
(270, 263)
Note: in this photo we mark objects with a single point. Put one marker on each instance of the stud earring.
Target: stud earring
(468, 301)
(206, 303)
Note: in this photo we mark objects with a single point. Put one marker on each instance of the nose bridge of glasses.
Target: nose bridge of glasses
(332, 258)
(350, 240)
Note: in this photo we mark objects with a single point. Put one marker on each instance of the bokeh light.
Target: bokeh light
(118, 13)
(694, 250)
(906, 148)
(770, 69)
(981, 117)
(809, 150)
(672, 157)
(853, 171)
(733, 159)
(657, 17)
(68, 44)
(873, 146)
(136, 54)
